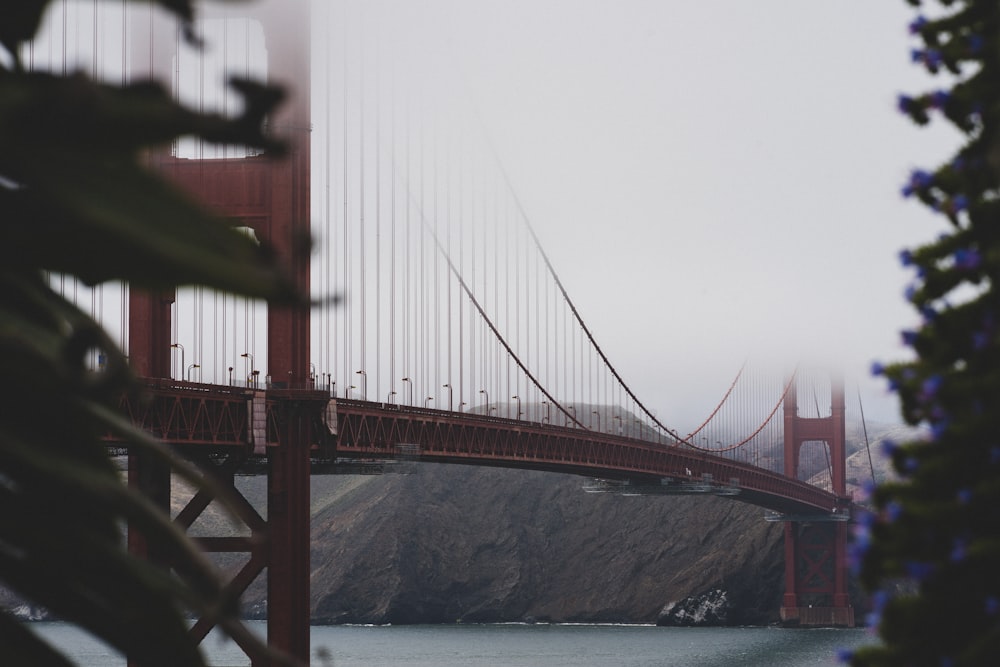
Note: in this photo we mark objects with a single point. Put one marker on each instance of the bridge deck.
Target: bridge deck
(204, 418)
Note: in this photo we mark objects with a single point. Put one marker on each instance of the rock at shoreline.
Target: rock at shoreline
(708, 608)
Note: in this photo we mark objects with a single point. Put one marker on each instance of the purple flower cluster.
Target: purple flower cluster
(917, 24)
(929, 58)
(939, 99)
(930, 387)
(967, 259)
(919, 180)
(952, 206)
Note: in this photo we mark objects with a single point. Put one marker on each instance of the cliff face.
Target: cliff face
(451, 543)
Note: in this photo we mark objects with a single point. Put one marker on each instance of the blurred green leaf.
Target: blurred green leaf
(88, 206)
(21, 22)
(77, 197)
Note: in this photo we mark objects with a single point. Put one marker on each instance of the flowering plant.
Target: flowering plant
(930, 548)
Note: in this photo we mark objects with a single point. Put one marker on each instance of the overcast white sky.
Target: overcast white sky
(714, 181)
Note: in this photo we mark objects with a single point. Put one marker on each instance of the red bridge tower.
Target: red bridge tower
(815, 546)
(272, 197)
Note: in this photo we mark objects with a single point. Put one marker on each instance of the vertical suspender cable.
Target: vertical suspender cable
(329, 232)
(378, 219)
(362, 364)
(517, 313)
(392, 225)
(496, 293)
(472, 273)
(447, 220)
(336, 328)
(422, 299)
(346, 247)
(461, 269)
(508, 327)
(436, 340)
(406, 269)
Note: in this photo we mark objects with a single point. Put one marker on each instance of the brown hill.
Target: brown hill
(448, 544)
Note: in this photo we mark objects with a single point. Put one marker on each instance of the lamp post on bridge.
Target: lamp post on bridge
(428, 400)
(230, 376)
(573, 408)
(409, 384)
(251, 375)
(595, 412)
(547, 411)
(388, 397)
(364, 384)
(518, 399)
(191, 368)
(483, 391)
(450, 395)
(178, 346)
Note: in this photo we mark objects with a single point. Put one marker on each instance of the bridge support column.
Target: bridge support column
(272, 196)
(149, 355)
(288, 526)
(815, 575)
(816, 550)
(152, 479)
(149, 333)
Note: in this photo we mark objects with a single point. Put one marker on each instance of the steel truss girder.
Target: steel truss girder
(373, 430)
(195, 416)
(188, 413)
(203, 417)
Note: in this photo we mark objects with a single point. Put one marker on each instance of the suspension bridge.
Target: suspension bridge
(453, 340)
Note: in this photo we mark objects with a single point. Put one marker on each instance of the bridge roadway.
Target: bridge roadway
(204, 419)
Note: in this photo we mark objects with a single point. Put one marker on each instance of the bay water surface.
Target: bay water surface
(518, 645)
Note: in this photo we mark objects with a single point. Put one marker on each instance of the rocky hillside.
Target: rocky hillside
(448, 544)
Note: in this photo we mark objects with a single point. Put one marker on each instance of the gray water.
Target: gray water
(522, 646)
